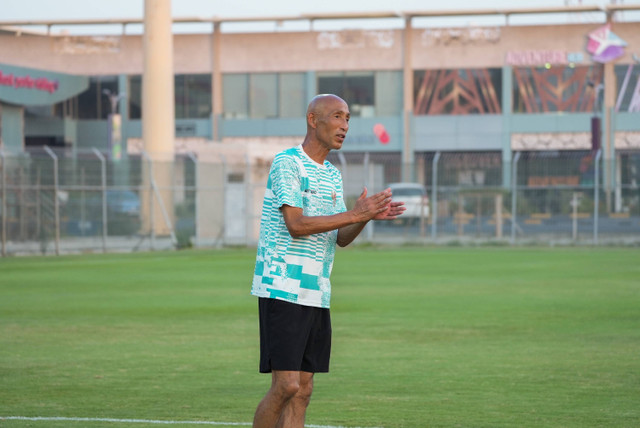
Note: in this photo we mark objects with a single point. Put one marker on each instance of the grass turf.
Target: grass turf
(442, 337)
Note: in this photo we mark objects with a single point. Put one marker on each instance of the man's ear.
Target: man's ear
(311, 120)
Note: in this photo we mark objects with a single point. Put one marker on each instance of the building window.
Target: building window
(94, 103)
(555, 89)
(264, 95)
(356, 88)
(135, 97)
(193, 96)
(457, 92)
(292, 94)
(628, 88)
(236, 96)
(388, 93)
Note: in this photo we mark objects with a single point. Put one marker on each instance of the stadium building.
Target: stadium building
(416, 86)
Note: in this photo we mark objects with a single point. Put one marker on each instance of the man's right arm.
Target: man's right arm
(364, 210)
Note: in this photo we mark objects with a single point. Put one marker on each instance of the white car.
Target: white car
(415, 199)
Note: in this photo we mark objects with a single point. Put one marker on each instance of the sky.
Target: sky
(13, 10)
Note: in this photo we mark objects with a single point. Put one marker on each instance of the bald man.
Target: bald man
(303, 217)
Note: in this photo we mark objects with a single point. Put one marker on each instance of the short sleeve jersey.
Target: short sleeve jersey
(297, 269)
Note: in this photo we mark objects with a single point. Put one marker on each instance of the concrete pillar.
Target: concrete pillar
(158, 114)
(216, 83)
(407, 148)
(507, 100)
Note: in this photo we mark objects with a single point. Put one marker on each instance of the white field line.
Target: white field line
(147, 421)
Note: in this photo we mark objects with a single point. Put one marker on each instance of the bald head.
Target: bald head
(321, 102)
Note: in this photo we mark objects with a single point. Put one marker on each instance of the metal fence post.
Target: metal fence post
(514, 192)
(434, 196)
(596, 195)
(152, 227)
(248, 193)
(369, 180)
(56, 204)
(103, 174)
(3, 208)
(194, 159)
(225, 183)
(343, 163)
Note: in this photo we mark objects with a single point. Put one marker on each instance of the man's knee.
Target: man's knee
(286, 388)
(306, 388)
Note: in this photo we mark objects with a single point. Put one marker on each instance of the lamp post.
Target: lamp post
(115, 124)
(596, 132)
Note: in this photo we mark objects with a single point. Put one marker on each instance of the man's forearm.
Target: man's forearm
(347, 234)
(300, 225)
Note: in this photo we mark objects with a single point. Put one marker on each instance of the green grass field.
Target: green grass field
(423, 337)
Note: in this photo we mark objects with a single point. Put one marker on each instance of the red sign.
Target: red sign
(381, 133)
(28, 82)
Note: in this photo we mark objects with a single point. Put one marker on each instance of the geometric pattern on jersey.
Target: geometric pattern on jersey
(297, 269)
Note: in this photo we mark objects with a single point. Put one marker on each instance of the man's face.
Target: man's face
(332, 123)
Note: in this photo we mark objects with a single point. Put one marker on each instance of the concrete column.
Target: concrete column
(507, 101)
(158, 113)
(216, 83)
(407, 147)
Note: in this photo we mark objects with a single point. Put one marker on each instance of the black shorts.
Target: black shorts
(293, 337)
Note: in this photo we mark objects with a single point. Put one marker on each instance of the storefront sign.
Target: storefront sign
(28, 82)
(29, 86)
(543, 57)
(604, 45)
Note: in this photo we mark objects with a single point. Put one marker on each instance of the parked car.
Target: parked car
(416, 201)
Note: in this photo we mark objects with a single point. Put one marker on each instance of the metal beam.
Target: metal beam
(338, 16)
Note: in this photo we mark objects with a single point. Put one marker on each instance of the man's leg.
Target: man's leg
(294, 412)
(290, 391)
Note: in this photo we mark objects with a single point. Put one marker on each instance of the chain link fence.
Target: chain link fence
(55, 201)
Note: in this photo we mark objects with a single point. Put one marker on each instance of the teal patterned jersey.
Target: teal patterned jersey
(297, 269)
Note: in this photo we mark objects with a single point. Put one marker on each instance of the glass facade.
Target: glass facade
(555, 89)
(264, 95)
(356, 88)
(368, 93)
(388, 93)
(292, 94)
(135, 97)
(458, 91)
(94, 102)
(628, 87)
(235, 96)
(192, 96)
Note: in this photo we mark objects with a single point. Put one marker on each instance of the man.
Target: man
(303, 217)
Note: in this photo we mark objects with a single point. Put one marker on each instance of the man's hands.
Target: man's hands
(377, 207)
